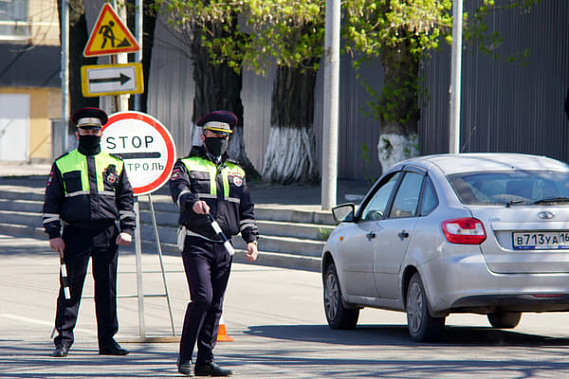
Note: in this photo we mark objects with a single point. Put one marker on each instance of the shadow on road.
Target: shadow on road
(398, 335)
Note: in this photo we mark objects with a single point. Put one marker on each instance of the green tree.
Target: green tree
(400, 32)
(285, 33)
(290, 34)
(217, 84)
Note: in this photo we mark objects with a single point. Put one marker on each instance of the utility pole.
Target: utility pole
(331, 105)
(455, 79)
(64, 73)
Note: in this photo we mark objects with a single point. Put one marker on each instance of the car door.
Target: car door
(356, 260)
(395, 232)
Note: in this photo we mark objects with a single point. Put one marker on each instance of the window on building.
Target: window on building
(14, 23)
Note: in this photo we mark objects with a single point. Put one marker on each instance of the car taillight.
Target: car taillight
(467, 230)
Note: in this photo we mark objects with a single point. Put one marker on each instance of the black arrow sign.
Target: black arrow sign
(122, 78)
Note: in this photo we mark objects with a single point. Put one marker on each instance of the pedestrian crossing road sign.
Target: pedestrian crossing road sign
(110, 35)
(103, 80)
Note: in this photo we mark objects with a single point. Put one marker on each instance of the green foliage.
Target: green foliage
(372, 24)
(323, 234)
(286, 32)
(401, 32)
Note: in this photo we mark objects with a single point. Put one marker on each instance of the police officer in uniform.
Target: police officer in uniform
(206, 181)
(87, 213)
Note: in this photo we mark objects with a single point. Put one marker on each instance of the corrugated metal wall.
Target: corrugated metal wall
(171, 94)
(505, 106)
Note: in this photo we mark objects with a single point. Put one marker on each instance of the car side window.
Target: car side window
(407, 197)
(430, 200)
(375, 208)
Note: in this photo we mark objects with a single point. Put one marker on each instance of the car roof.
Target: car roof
(453, 163)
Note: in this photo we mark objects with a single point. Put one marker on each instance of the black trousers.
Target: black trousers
(82, 244)
(207, 265)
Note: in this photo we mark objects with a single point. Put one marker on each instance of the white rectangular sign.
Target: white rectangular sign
(102, 80)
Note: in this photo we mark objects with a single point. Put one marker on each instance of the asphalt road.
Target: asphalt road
(276, 320)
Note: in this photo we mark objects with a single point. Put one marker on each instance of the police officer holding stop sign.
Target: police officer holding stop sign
(89, 197)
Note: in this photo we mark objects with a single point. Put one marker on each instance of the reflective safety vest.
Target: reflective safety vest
(205, 175)
(75, 173)
(222, 186)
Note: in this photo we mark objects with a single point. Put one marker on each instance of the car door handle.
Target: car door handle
(370, 235)
(403, 234)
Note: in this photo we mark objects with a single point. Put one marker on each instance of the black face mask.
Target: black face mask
(216, 146)
(89, 142)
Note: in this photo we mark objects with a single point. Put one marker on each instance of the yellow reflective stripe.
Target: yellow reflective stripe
(225, 184)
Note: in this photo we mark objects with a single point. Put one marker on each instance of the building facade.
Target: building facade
(30, 94)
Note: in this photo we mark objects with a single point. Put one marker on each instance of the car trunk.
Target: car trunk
(525, 239)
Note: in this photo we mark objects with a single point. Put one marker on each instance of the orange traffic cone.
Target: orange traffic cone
(222, 332)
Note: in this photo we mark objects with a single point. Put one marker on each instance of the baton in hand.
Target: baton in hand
(220, 233)
(64, 283)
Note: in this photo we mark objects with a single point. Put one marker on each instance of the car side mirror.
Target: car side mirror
(344, 212)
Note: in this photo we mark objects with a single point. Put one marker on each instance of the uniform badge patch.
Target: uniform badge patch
(110, 175)
(238, 181)
(175, 174)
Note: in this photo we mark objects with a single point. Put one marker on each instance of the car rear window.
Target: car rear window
(480, 188)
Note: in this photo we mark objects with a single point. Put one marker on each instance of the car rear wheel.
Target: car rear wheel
(337, 315)
(422, 326)
(504, 320)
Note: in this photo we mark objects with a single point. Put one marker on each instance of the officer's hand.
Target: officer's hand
(200, 207)
(124, 239)
(57, 244)
(252, 252)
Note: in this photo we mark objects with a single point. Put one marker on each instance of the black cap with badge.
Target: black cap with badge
(222, 122)
(89, 118)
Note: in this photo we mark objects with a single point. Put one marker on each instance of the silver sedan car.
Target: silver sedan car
(483, 233)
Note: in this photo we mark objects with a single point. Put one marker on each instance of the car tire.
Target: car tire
(504, 320)
(338, 316)
(422, 326)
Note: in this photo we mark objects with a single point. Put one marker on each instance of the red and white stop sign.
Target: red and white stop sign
(145, 145)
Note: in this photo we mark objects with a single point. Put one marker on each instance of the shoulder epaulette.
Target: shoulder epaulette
(116, 156)
(233, 161)
(62, 155)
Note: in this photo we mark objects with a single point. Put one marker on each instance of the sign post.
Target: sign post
(149, 153)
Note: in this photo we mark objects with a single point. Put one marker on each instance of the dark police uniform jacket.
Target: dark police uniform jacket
(88, 191)
(223, 187)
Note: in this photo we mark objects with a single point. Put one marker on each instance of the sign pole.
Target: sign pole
(139, 242)
(139, 289)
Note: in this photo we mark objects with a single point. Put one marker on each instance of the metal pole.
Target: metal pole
(159, 248)
(64, 73)
(138, 20)
(455, 80)
(331, 104)
(138, 249)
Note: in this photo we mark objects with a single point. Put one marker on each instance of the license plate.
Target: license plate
(541, 240)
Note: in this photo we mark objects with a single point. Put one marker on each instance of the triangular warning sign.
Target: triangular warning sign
(110, 36)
